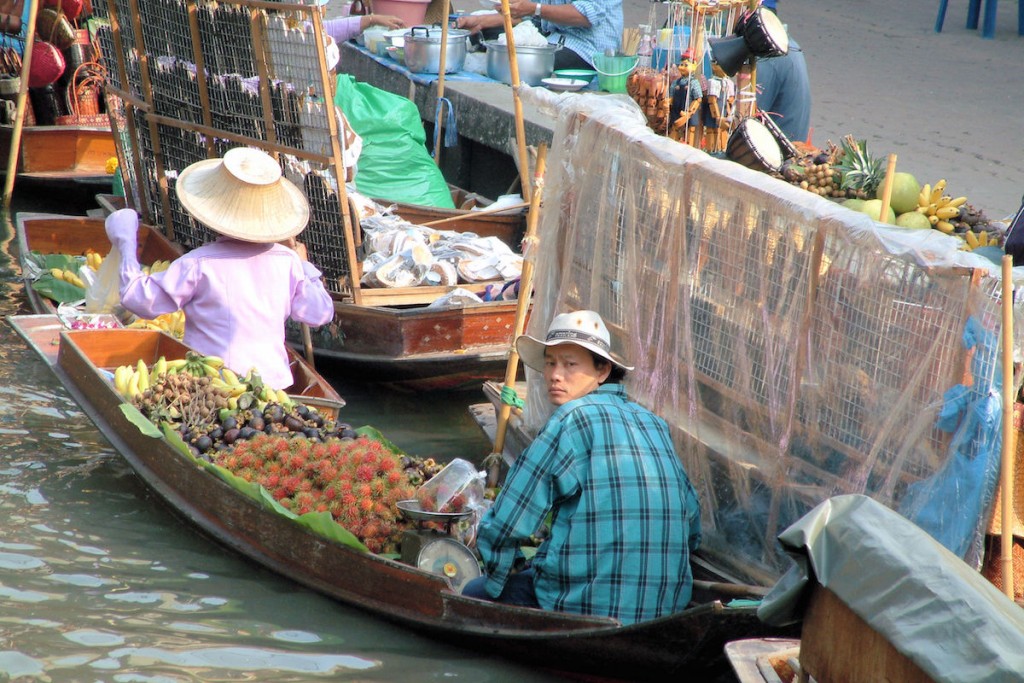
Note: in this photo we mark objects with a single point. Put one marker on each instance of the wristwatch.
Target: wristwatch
(536, 10)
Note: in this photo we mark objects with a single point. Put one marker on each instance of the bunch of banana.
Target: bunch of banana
(940, 208)
(130, 381)
(93, 260)
(229, 382)
(171, 323)
(67, 276)
(156, 267)
(973, 240)
(199, 365)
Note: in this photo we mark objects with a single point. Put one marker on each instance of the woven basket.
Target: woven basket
(83, 97)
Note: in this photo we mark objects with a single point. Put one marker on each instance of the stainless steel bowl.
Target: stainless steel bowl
(423, 49)
(535, 63)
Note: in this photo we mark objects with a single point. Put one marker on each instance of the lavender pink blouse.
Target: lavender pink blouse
(236, 297)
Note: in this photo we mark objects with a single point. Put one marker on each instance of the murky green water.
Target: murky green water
(100, 582)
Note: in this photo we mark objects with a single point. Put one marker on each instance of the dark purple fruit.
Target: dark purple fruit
(302, 410)
(274, 413)
(216, 433)
(257, 423)
(294, 424)
(247, 433)
(204, 443)
(348, 434)
(231, 435)
(311, 432)
(229, 423)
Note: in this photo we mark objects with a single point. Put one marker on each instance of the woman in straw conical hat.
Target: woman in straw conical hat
(237, 291)
(624, 516)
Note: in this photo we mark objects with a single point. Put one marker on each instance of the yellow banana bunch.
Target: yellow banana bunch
(159, 368)
(973, 240)
(132, 380)
(938, 207)
(171, 323)
(93, 260)
(67, 276)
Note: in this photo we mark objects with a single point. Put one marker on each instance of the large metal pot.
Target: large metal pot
(423, 49)
(535, 63)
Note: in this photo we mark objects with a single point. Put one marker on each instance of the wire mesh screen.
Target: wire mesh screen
(217, 75)
(794, 351)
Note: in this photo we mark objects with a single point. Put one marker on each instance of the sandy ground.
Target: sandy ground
(949, 105)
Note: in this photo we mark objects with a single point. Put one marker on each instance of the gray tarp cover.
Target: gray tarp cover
(931, 606)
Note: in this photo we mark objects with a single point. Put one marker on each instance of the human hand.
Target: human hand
(122, 228)
(474, 23)
(387, 21)
(521, 8)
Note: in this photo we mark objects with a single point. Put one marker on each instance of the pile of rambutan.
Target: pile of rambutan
(358, 481)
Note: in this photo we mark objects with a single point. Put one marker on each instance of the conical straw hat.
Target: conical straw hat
(243, 196)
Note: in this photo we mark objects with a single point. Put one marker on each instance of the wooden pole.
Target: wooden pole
(476, 214)
(513, 70)
(439, 120)
(1009, 442)
(890, 170)
(19, 114)
(522, 307)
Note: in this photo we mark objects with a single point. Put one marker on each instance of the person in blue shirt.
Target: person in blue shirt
(624, 515)
(588, 27)
(784, 89)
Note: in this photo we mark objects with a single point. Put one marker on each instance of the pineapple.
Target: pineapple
(862, 173)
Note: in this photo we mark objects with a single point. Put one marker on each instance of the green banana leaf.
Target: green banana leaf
(54, 288)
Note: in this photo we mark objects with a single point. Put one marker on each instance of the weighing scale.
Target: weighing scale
(435, 551)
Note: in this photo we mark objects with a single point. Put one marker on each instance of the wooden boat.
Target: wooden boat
(58, 234)
(690, 641)
(399, 341)
(510, 229)
(54, 234)
(61, 152)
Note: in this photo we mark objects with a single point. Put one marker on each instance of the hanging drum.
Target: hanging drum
(763, 33)
(754, 146)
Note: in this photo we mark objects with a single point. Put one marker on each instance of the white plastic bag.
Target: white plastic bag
(103, 294)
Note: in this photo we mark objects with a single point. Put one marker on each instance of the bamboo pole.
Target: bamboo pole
(522, 306)
(19, 114)
(513, 70)
(1009, 445)
(442, 66)
(476, 214)
(890, 170)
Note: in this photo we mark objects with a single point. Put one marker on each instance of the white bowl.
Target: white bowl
(396, 53)
(563, 84)
(396, 36)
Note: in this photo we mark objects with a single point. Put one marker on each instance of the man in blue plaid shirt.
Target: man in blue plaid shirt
(624, 516)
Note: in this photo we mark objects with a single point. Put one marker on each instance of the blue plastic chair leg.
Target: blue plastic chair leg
(973, 12)
(1020, 17)
(988, 28)
(940, 18)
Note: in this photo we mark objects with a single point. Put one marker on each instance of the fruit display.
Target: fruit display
(171, 323)
(357, 480)
(308, 462)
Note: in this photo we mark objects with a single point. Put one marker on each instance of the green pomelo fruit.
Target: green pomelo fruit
(913, 219)
(873, 208)
(855, 204)
(905, 189)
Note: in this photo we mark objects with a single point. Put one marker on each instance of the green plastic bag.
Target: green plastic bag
(394, 163)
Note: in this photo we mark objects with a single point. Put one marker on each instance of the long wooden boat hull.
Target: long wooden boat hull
(60, 152)
(689, 641)
(414, 347)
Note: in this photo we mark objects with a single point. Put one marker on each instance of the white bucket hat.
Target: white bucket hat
(583, 328)
(243, 196)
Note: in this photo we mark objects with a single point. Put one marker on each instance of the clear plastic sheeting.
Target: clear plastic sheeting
(931, 607)
(797, 349)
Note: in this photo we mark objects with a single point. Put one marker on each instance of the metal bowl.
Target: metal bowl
(535, 63)
(411, 509)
